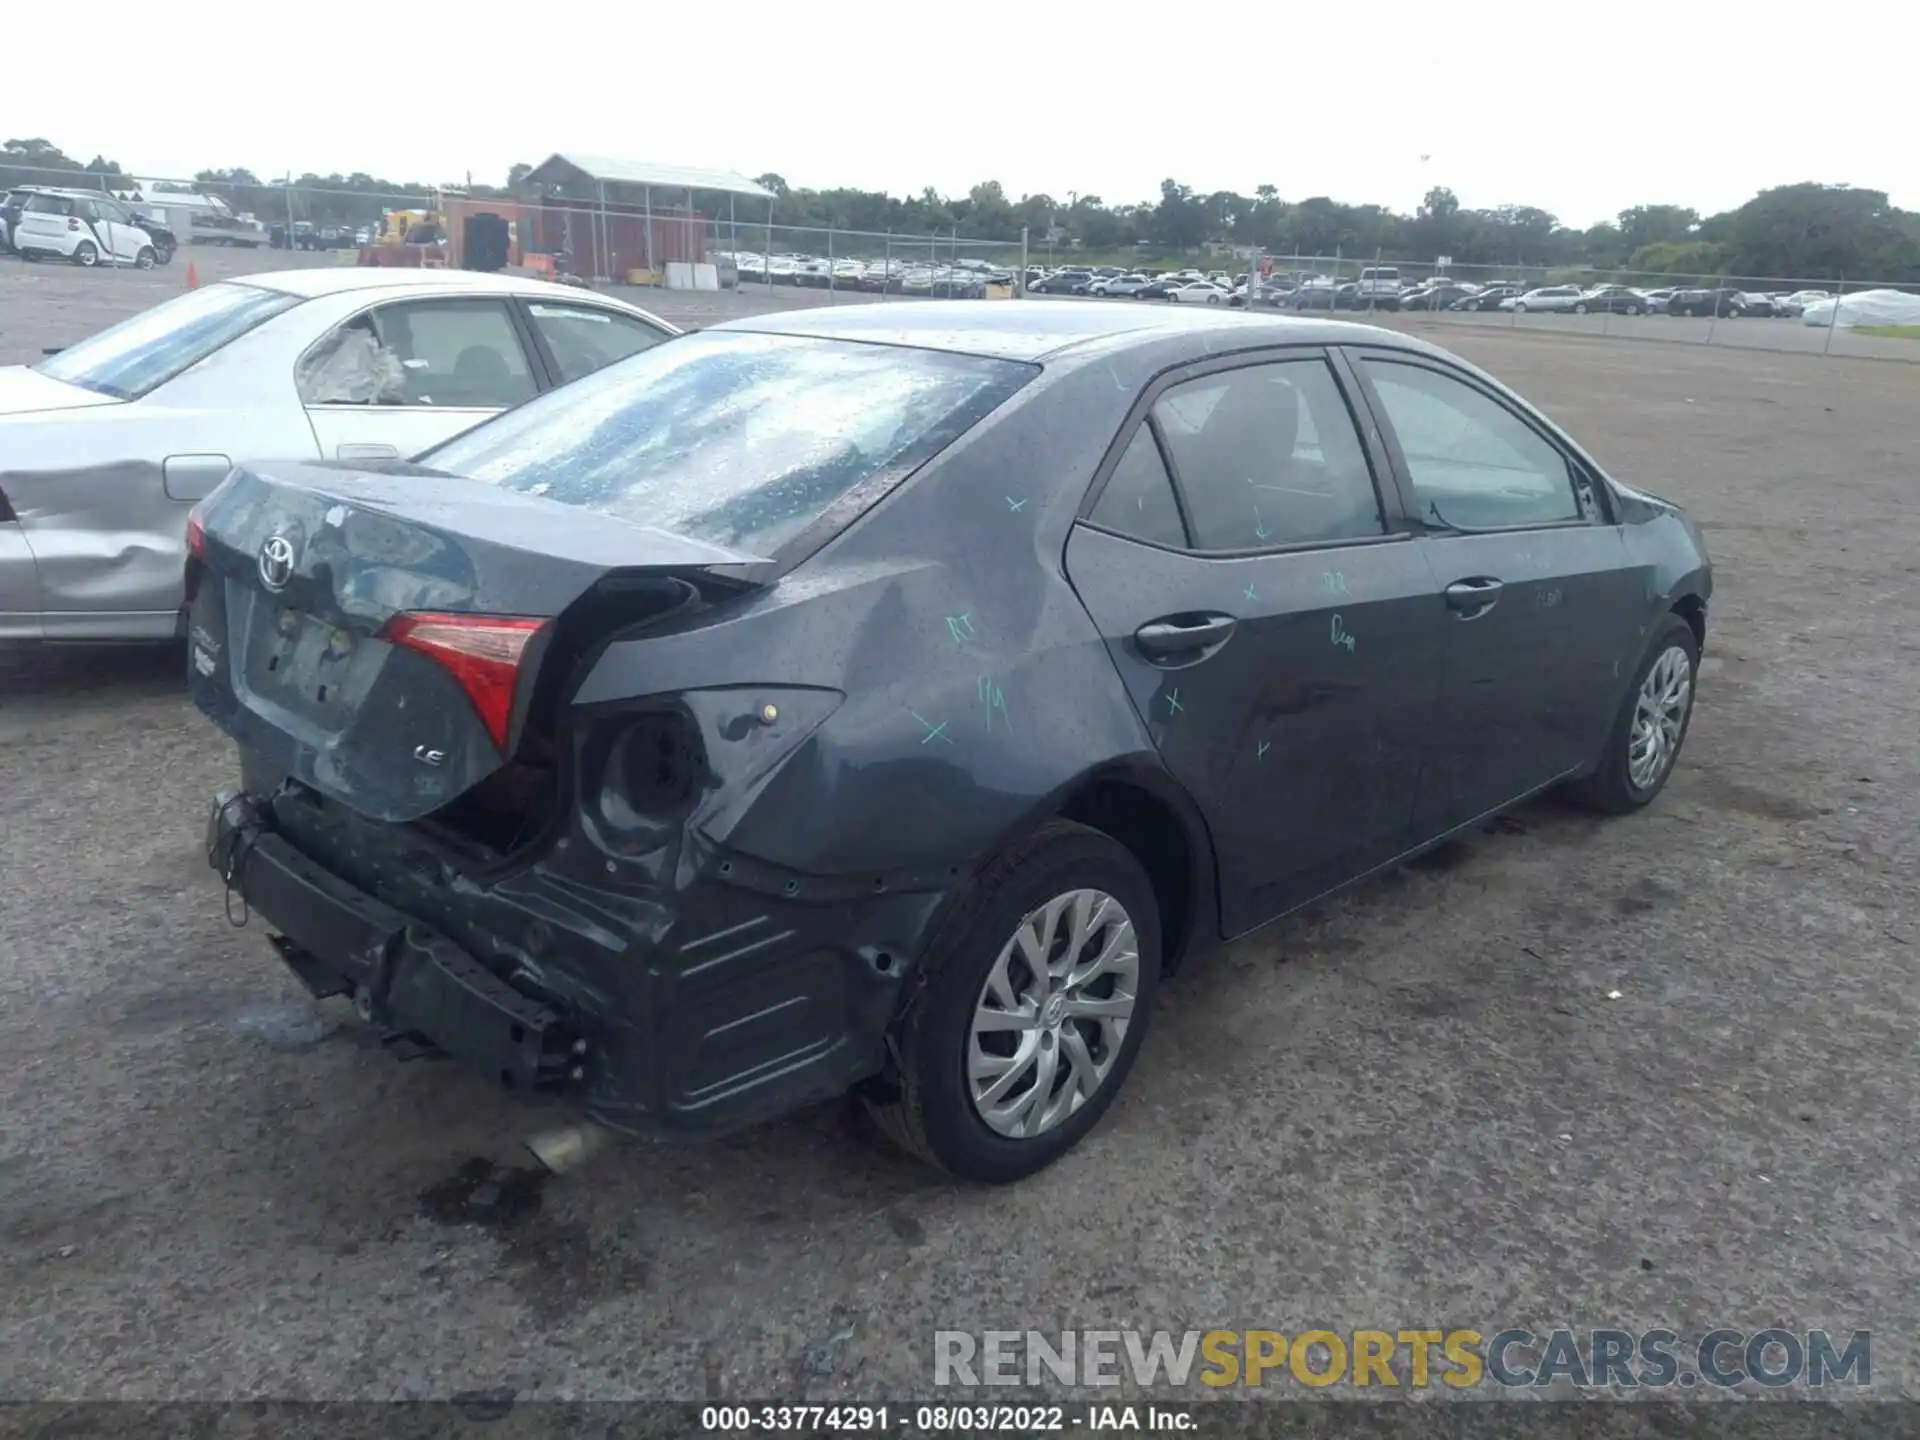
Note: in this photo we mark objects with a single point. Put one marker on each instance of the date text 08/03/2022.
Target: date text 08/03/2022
(941, 1419)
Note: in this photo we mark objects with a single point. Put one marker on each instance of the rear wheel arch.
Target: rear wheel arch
(1147, 812)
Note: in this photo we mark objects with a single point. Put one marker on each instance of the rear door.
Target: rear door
(1541, 605)
(399, 378)
(1273, 617)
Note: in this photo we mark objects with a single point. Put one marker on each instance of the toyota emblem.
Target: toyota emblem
(276, 562)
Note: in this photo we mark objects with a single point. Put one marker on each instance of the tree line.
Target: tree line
(1804, 231)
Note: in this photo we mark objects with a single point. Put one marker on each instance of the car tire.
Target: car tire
(1620, 783)
(1518, 308)
(1213, 299)
(86, 253)
(145, 259)
(1580, 309)
(164, 254)
(1633, 309)
(926, 1102)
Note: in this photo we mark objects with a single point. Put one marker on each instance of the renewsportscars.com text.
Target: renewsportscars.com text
(1414, 1359)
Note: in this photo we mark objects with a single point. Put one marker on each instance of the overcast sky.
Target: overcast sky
(1580, 112)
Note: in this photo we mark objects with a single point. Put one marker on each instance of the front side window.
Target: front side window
(1475, 465)
(1268, 456)
(584, 339)
(443, 354)
(732, 437)
(140, 354)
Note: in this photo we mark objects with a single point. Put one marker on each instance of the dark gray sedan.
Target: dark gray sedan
(886, 698)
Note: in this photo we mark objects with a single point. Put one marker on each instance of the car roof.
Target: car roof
(1031, 330)
(314, 282)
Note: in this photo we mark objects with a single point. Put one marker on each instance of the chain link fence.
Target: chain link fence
(765, 262)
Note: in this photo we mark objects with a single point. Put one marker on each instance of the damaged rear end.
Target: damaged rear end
(434, 822)
(399, 684)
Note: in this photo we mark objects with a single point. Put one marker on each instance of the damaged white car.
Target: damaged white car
(105, 446)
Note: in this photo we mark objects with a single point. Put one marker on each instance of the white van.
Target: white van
(1378, 282)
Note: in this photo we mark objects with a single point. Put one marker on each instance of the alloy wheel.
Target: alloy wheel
(1659, 716)
(1052, 1014)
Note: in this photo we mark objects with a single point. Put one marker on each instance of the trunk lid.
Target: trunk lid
(340, 625)
(24, 391)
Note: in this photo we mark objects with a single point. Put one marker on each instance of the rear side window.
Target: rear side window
(735, 438)
(50, 205)
(1138, 499)
(140, 354)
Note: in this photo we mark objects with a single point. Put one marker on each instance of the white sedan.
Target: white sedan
(105, 446)
(1201, 291)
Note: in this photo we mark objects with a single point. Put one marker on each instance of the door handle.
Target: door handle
(1181, 635)
(1470, 597)
(366, 452)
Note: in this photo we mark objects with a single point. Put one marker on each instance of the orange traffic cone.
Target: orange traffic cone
(193, 276)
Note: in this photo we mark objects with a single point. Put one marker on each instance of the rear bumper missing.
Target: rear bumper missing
(400, 974)
(728, 1008)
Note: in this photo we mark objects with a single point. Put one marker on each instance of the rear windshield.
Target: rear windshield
(735, 438)
(49, 205)
(154, 346)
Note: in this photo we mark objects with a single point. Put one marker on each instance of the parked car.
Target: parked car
(1727, 301)
(1115, 286)
(1435, 297)
(1199, 292)
(105, 445)
(1611, 299)
(1344, 296)
(1064, 282)
(84, 228)
(630, 787)
(165, 243)
(1496, 296)
(11, 205)
(1758, 304)
(1549, 298)
(1161, 288)
(1658, 299)
(1796, 303)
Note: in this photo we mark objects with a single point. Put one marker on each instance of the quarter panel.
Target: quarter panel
(976, 685)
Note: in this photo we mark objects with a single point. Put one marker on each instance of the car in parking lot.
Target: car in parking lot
(1488, 297)
(1117, 286)
(706, 738)
(84, 228)
(1725, 301)
(1611, 299)
(1548, 297)
(1199, 292)
(105, 445)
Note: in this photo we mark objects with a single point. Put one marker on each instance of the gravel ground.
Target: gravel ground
(1415, 1106)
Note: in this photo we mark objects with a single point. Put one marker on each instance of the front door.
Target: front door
(1542, 607)
(400, 378)
(120, 238)
(1275, 624)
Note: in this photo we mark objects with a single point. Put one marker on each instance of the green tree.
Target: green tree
(1656, 225)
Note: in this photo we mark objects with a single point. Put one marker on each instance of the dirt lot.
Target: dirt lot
(1417, 1106)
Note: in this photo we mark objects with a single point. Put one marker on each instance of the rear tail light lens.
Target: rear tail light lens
(196, 538)
(482, 652)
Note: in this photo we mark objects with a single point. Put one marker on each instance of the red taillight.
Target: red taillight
(482, 651)
(196, 538)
